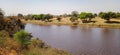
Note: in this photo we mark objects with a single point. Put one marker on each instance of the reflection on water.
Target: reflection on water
(79, 40)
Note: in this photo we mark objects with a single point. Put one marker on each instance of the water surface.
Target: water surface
(79, 40)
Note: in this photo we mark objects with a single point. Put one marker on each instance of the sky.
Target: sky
(57, 7)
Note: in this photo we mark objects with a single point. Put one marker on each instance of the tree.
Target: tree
(86, 16)
(90, 16)
(36, 17)
(112, 14)
(48, 17)
(105, 16)
(74, 16)
(108, 15)
(75, 13)
(83, 16)
(100, 13)
(42, 17)
(20, 16)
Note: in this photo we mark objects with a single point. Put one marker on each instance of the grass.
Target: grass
(37, 47)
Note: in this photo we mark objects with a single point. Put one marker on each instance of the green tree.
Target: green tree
(36, 17)
(90, 16)
(42, 17)
(48, 17)
(112, 14)
(83, 16)
(109, 15)
(105, 16)
(100, 14)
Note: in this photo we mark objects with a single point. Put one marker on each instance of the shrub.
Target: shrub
(73, 18)
(23, 38)
(37, 43)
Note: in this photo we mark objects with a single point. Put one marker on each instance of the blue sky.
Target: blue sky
(56, 7)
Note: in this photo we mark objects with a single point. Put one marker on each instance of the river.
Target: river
(78, 40)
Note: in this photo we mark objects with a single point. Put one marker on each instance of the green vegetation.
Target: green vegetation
(85, 17)
(42, 17)
(23, 38)
(109, 15)
(22, 44)
(74, 16)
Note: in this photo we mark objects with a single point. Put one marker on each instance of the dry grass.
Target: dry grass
(11, 47)
(65, 21)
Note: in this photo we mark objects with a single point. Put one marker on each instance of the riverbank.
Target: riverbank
(100, 23)
(15, 41)
(9, 46)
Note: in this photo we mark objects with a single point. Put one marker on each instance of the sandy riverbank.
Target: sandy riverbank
(65, 21)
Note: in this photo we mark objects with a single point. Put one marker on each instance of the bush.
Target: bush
(73, 18)
(23, 38)
(37, 43)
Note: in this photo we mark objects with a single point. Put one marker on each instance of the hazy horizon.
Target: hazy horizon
(57, 7)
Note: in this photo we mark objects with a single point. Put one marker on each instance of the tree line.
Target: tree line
(84, 16)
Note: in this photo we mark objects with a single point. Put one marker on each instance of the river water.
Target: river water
(78, 40)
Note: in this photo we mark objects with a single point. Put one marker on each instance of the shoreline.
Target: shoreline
(91, 25)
